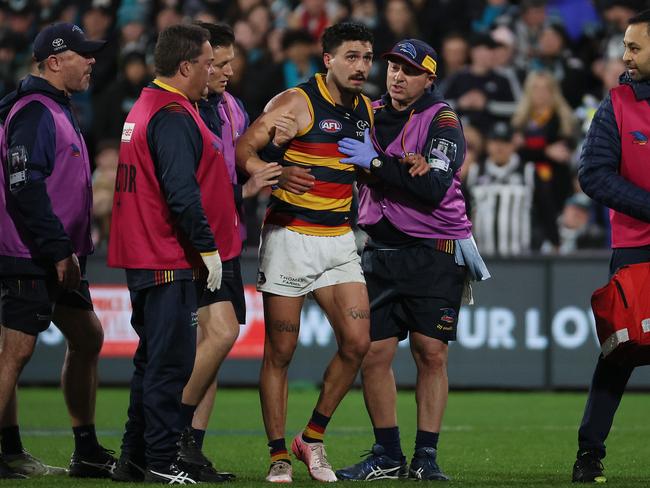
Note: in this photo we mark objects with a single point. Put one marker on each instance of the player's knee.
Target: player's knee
(17, 356)
(433, 360)
(355, 349)
(90, 342)
(280, 355)
(376, 359)
(228, 335)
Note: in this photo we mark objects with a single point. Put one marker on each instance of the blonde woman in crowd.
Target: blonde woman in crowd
(545, 128)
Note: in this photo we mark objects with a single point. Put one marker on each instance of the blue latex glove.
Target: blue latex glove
(361, 153)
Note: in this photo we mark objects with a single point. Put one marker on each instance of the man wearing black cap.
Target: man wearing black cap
(502, 189)
(45, 220)
(417, 259)
(480, 94)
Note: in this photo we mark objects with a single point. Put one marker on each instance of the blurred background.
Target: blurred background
(526, 78)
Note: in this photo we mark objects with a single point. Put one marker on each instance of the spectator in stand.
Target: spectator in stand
(496, 12)
(399, 22)
(131, 22)
(315, 16)
(436, 20)
(504, 54)
(578, 228)
(528, 28)
(166, 17)
(103, 187)
(298, 66)
(502, 188)
(545, 128)
(8, 44)
(455, 55)
(554, 55)
(616, 14)
(96, 23)
(480, 94)
(118, 99)
(365, 12)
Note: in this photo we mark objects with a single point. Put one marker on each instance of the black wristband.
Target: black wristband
(272, 153)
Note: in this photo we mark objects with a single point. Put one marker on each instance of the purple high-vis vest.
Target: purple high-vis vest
(233, 126)
(69, 187)
(446, 221)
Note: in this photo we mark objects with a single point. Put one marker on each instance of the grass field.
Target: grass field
(488, 439)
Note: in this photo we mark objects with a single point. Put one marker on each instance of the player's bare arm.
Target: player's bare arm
(284, 116)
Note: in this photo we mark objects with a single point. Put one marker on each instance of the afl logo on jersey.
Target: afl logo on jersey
(330, 125)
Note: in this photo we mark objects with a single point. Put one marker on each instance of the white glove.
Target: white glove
(212, 261)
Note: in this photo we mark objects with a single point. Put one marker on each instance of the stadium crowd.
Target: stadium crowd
(526, 78)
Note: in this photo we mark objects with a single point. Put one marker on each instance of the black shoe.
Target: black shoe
(128, 471)
(7, 474)
(171, 475)
(424, 466)
(377, 466)
(99, 463)
(588, 468)
(192, 459)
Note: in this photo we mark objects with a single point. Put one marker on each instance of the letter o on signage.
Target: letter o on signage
(562, 333)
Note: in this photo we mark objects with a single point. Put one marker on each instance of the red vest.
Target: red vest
(143, 233)
(633, 120)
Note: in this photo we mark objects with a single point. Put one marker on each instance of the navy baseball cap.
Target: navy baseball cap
(416, 53)
(60, 37)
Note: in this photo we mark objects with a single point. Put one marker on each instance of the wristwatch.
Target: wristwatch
(376, 163)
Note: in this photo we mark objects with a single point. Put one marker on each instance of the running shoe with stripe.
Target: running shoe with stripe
(171, 475)
(424, 466)
(98, 463)
(376, 466)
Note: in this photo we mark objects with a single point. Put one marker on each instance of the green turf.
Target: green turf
(488, 439)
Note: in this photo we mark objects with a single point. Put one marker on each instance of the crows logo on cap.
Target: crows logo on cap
(408, 48)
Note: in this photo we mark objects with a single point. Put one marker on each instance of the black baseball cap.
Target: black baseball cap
(416, 53)
(62, 36)
(500, 131)
(482, 39)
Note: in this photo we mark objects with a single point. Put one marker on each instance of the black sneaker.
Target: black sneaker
(588, 468)
(7, 474)
(128, 471)
(424, 466)
(192, 459)
(377, 466)
(99, 463)
(171, 475)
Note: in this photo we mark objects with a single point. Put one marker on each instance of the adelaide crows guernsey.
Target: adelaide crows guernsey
(325, 209)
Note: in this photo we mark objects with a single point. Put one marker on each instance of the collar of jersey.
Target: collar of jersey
(322, 87)
(170, 88)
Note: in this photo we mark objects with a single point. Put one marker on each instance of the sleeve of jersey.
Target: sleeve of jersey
(598, 171)
(444, 151)
(31, 147)
(175, 142)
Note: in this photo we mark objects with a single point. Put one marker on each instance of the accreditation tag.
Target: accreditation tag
(17, 166)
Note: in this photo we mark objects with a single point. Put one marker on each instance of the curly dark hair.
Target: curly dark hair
(337, 34)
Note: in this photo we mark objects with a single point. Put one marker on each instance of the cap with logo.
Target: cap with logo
(416, 53)
(500, 131)
(60, 37)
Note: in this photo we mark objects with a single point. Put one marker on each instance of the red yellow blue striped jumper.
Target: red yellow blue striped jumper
(325, 209)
